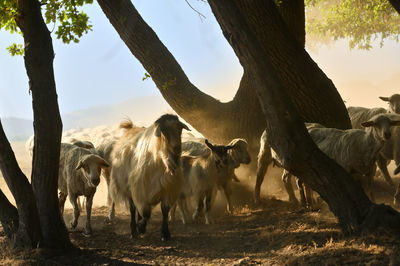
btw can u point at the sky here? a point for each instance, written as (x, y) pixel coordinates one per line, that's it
(101, 70)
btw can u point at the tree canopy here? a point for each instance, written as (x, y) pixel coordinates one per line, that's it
(71, 21)
(361, 22)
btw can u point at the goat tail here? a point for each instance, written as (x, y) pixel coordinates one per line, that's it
(126, 124)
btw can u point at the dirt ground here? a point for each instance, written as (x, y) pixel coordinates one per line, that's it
(274, 233)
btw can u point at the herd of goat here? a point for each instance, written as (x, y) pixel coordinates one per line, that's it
(147, 166)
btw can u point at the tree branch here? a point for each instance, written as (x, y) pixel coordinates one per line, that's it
(29, 233)
(8, 216)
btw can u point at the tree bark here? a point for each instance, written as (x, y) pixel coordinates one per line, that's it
(313, 93)
(38, 58)
(396, 5)
(292, 12)
(29, 232)
(8, 217)
(287, 134)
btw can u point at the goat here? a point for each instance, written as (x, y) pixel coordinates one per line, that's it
(105, 149)
(79, 174)
(354, 149)
(200, 178)
(239, 154)
(146, 170)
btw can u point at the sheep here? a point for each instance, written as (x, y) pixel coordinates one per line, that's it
(82, 143)
(359, 114)
(354, 149)
(146, 170)
(239, 154)
(200, 178)
(266, 156)
(79, 174)
(391, 151)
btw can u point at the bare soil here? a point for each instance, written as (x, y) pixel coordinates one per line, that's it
(274, 233)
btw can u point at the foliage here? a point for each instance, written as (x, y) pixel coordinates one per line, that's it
(72, 22)
(360, 21)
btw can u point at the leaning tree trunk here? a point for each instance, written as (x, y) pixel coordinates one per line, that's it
(38, 58)
(29, 233)
(287, 134)
(312, 92)
(293, 13)
(8, 216)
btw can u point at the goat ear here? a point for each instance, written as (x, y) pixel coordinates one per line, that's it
(209, 145)
(386, 99)
(157, 133)
(394, 123)
(104, 163)
(397, 170)
(230, 147)
(368, 123)
(184, 126)
(79, 166)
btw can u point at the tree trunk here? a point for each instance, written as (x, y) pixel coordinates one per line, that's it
(396, 5)
(38, 58)
(292, 12)
(29, 233)
(8, 217)
(287, 134)
(313, 93)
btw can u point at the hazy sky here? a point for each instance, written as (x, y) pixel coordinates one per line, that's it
(101, 70)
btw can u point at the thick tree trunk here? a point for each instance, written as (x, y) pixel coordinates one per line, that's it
(8, 217)
(29, 233)
(396, 5)
(39, 57)
(314, 94)
(287, 134)
(293, 13)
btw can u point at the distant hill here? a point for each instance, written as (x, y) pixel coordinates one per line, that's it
(17, 129)
(142, 111)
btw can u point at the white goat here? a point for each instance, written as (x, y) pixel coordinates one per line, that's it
(79, 174)
(200, 178)
(146, 170)
(354, 149)
(105, 150)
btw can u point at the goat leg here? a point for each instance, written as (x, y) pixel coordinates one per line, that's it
(73, 200)
(142, 220)
(132, 209)
(89, 203)
(165, 234)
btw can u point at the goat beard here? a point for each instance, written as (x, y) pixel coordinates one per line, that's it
(171, 164)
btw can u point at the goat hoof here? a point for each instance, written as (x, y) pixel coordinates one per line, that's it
(109, 221)
(134, 234)
(165, 237)
(141, 228)
(73, 225)
(87, 234)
